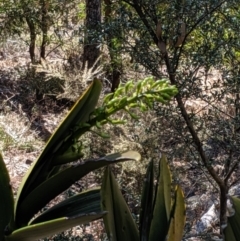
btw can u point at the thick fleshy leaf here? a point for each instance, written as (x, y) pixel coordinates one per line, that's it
(229, 234)
(167, 181)
(41, 230)
(177, 220)
(118, 222)
(162, 203)
(6, 198)
(79, 114)
(147, 203)
(233, 225)
(60, 142)
(63, 180)
(79, 204)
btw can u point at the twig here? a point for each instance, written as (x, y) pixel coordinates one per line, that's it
(231, 170)
(53, 50)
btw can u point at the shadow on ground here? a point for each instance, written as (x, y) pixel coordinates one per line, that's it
(19, 93)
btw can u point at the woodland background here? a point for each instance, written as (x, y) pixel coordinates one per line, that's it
(50, 50)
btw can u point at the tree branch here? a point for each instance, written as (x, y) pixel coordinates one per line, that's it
(231, 170)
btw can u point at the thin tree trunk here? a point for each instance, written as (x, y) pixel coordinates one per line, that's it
(33, 37)
(44, 27)
(92, 23)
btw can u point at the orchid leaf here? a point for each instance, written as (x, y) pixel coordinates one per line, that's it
(118, 222)
(63, 180)
(41, 230)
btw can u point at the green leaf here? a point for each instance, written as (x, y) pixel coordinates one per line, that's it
(166, 181)
(82, 203)
(60, 142)
(162, 204)
(229, 234)
(72, 154)
(233, 226)
(177, 221)
(41, 230)
(118, 222)
(147, 203)
(6, 199)
(58, 183)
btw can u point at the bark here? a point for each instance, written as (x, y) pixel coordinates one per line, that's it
(44, 27)
(33, 37)
(92, 24)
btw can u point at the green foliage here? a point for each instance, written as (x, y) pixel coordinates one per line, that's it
(82, 8)
(161, 217)
(232, 230)
(119, 223)
(6, 204)
(131, 96)
(56, 169)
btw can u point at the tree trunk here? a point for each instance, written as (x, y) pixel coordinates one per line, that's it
(33, 37)
(44, 27)
(115, 66)
(92, 24)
